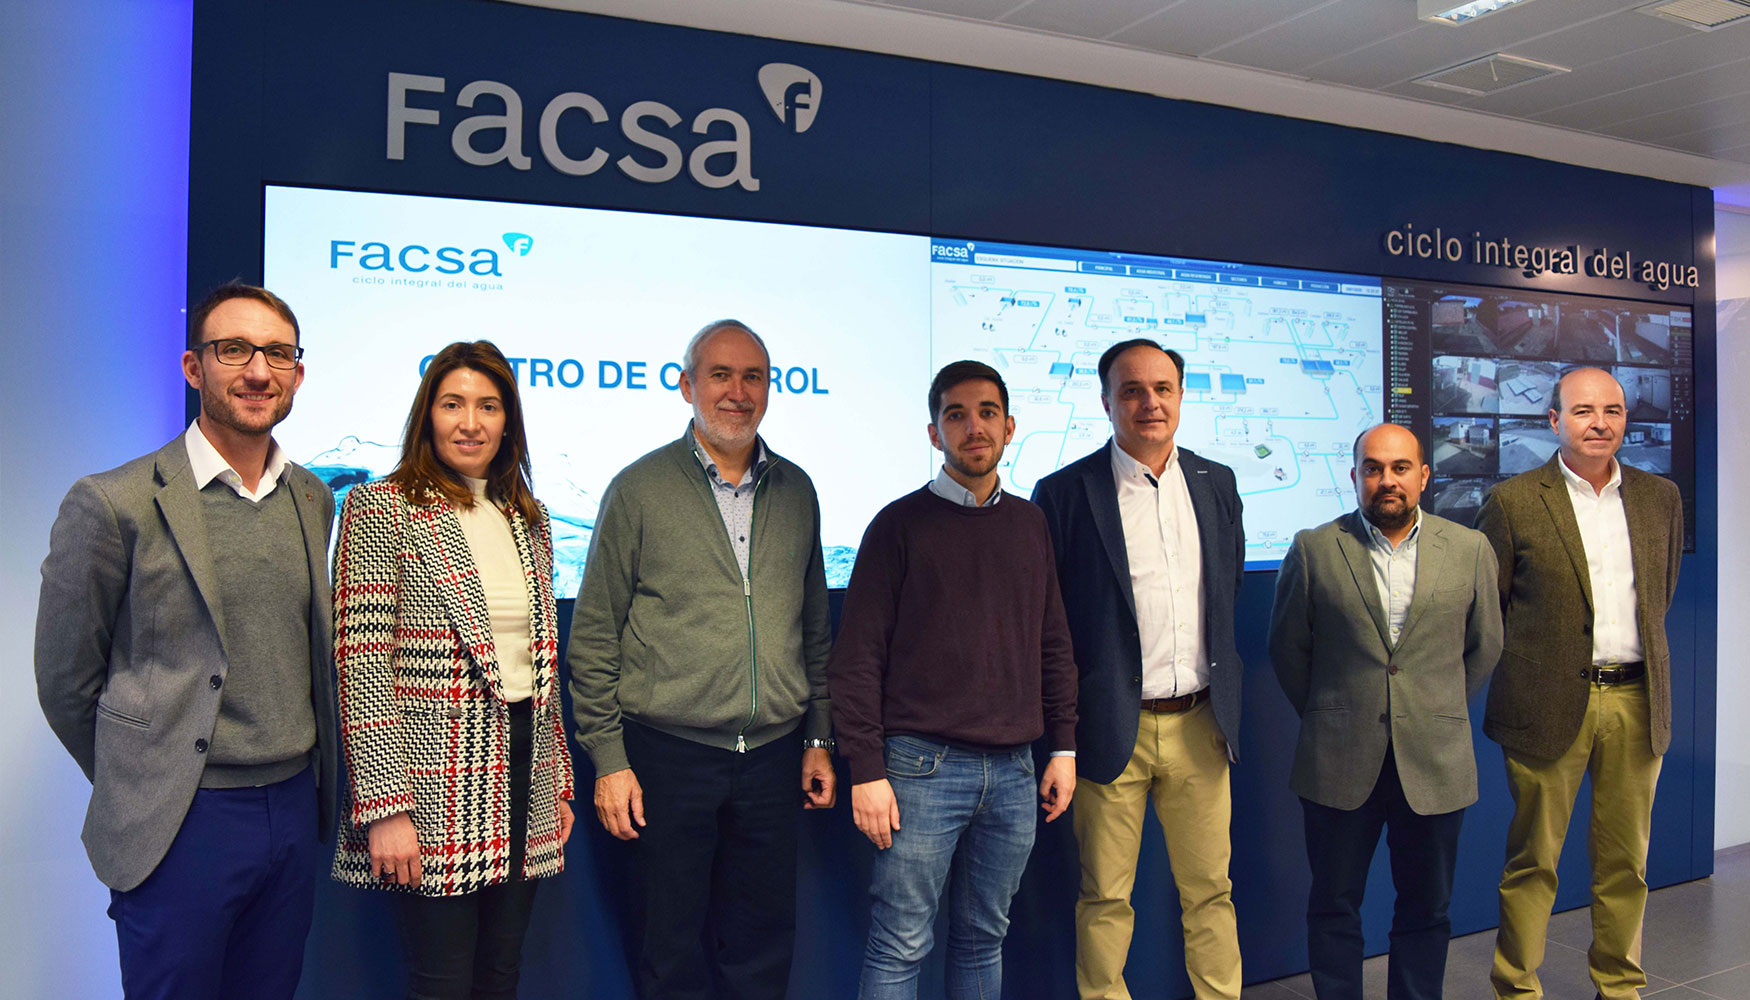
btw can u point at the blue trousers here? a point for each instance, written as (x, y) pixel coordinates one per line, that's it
(969, 814)
(225, 914)
(1424, 854)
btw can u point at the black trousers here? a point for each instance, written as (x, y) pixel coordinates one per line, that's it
(1424, 852)
(470, 947)
(718, 863)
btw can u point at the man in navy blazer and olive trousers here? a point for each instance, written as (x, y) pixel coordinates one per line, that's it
(183, 657)
(1150, 558)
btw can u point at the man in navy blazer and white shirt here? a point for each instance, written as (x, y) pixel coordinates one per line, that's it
(1150, 557)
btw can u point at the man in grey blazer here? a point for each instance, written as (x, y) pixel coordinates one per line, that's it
(1386, 623)
(1588, 550)
(183, 657)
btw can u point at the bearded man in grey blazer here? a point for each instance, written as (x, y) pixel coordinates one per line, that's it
(184, 658)
(1386, 624)
(1588, 551)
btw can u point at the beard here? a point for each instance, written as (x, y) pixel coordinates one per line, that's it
(722, 435)
(217, 406)
(974, 468)
(1400, 515)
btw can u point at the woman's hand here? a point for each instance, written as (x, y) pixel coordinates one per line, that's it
(395, 849)
(565, 821)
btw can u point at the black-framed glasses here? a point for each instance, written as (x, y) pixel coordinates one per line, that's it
(238, 353)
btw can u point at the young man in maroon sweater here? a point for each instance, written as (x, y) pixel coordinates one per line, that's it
(952, 658)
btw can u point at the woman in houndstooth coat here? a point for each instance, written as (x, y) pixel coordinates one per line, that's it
(446, 650)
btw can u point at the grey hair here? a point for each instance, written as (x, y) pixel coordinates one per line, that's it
(690, 357)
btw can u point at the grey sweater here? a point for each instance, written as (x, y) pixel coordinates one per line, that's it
(665, 634)
(267, 723)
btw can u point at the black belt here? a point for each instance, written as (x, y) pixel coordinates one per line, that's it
(1170, 706)
(1620, 673)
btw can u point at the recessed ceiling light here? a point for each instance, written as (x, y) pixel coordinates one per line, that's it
(1448, 12)
(1702, 15)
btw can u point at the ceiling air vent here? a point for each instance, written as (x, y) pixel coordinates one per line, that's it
(1702, 15)
(1490, 74)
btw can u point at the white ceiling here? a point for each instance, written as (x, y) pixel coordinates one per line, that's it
(1644, 95)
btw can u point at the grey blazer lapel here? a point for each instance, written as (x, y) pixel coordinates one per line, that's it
(1351, 541)
(1561, 512)
(316, 549)
(443, 549)
(1430, 564)
(180, 503)
(1108, 523)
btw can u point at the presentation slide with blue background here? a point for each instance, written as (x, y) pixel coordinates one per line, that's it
(594, 308)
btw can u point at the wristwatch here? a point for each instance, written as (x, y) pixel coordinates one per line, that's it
(817, 744)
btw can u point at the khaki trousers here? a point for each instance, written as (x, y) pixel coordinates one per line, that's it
(1181, 760)
(1615, 748)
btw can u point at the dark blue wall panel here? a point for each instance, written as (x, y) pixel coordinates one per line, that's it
(295, 93)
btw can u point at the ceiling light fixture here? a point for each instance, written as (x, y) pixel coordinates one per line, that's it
(1490, 74)
(1447, 12)
(1702, 15)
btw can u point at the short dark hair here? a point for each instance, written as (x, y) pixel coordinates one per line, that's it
(957, 372)
(1421, 452)
(1111, 357)
(197, 317)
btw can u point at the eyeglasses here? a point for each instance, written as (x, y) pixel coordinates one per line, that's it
(238, 353)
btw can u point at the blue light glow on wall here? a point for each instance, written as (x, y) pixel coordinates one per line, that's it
(93, 225)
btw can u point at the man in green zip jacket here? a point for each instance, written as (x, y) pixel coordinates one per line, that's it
(698, 677)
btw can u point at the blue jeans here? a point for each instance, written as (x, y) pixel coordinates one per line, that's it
(972, 814)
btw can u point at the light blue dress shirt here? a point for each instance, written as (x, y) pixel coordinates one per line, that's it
(734, 500)
(1394, 572)
(945, 487)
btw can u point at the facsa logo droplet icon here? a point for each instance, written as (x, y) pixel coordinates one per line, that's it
(793, 92)
(519, 243)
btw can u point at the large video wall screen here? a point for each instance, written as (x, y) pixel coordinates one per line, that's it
(1283, 367)
(594, 308)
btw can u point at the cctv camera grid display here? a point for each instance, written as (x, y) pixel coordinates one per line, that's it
(1473, 370)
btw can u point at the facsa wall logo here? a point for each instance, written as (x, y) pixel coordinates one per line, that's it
(415, 258)
(791, 88)
(655, 155)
